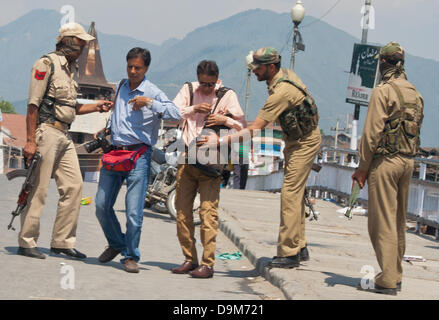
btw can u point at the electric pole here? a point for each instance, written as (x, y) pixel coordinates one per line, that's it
(365, 27)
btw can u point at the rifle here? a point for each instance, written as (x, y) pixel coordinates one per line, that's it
(425, 153)
(314, 216)
(27, 186)
(352, 199)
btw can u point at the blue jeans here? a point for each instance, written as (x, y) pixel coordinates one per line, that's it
(110, 183)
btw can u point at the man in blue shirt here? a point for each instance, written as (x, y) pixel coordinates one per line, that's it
(135, 122)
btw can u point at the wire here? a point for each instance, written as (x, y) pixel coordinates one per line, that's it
(324, 15)
(243, 84)
(287, 42)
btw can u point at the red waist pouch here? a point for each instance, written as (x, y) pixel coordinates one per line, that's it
(122, 160)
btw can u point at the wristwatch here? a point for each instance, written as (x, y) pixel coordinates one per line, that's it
(149, 104)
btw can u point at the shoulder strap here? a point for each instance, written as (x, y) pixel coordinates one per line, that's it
(122, 82)
(286, 79)
(183, 124)
(400, 97)
(52, 70)
(220, 94)
(191, 92)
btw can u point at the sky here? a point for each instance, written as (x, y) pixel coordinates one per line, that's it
(409, 22)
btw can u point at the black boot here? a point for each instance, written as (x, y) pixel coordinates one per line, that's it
(31, 252)
(285, 262)
(69, 252)
(304, 254)
(379, 289)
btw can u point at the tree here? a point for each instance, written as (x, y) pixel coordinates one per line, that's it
(6, 106)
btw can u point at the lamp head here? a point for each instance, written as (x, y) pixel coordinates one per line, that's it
(298, 13)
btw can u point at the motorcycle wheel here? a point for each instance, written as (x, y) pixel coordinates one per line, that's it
(160, 207)
(170, 204)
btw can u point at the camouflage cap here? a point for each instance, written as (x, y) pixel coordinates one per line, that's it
(265, 55)
(392, 50)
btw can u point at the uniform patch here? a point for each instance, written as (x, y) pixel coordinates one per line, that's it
(40, 75)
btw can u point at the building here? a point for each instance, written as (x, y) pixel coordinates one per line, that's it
(12, 141)
(90, 76)
(93, 85)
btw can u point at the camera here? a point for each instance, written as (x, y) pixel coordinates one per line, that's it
(100, 142)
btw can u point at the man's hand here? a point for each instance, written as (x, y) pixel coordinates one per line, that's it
(29, 151)
(208, 142)
(140, 102)
(360, 176)
(203, 108)
(104, 106)
(216, 120)
(95, 136)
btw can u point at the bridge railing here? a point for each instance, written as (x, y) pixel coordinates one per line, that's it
(334, 182)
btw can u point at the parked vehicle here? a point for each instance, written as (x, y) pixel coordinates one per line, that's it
(163, 180)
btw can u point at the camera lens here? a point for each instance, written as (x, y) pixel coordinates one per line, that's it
(92, 145)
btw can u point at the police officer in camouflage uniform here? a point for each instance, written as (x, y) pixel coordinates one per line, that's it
(290, 104)
(51, 109)
(390, 140)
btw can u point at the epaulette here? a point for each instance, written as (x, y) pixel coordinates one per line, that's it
(46, 61)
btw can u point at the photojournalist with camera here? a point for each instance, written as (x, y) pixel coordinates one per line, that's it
(138, 108)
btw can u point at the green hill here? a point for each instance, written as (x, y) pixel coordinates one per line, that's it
(322, 66)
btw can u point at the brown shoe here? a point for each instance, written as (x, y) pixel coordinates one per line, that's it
(131, 266)
(202, 271)
(109, 254)
(184, 268)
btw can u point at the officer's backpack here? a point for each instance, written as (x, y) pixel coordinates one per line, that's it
(402, 133)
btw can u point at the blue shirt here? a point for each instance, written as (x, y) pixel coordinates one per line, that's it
(133, 127)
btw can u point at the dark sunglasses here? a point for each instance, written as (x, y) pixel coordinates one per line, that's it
(207, 84)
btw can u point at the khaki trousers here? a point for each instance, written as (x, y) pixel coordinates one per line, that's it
(59, 160)
(388, 187)
(189, 180)
(299, 157)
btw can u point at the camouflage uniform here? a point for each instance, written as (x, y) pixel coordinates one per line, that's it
(285, 102)
(389, 141)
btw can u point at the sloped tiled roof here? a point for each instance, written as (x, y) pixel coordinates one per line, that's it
(15, 126)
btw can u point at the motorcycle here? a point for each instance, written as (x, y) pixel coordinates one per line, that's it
(163, 180)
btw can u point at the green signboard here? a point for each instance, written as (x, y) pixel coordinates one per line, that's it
(364, 74)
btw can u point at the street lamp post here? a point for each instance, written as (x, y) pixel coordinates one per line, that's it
(297, 15)
(248, 60)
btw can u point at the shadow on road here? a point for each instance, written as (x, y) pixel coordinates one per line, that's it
(337, 279)
(161, 265)
(89, 260)
(231, 273)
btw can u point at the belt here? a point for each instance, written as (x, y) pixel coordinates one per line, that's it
(58, 125)
(130, 147)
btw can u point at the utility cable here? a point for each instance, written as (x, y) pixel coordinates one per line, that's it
(324, 15)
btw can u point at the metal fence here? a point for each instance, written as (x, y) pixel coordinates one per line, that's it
(334, 182)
